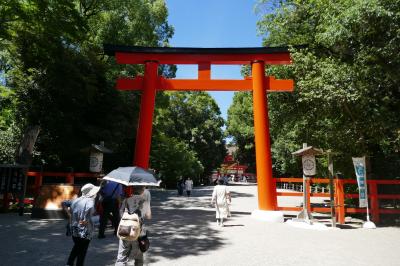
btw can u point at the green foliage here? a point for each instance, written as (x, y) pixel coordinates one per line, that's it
(9, 132)
(53, 64)
(56, 76)
(8, 141)
(194, 118)
(346, 94)
(240, 127)
(7, 103)
(173, 159)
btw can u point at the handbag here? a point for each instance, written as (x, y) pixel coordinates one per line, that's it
(81, 231)
(144, 243)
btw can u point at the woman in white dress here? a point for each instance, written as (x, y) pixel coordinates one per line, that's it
(221, 197)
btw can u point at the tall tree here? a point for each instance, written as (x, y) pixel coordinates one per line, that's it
(347, 92)
(194, 118)
(53, 62)
(346, 96)
(240, 127)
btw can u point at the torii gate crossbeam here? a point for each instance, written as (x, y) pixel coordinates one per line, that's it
(259, 84)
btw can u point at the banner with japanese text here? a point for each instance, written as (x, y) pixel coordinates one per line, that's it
(360, 169)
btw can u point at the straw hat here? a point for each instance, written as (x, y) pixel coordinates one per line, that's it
(89, 190)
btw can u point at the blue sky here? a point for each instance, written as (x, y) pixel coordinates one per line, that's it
(214, 23)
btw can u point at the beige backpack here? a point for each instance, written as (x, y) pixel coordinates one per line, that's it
(129, 227)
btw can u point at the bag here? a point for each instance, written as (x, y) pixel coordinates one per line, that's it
(129, 227)
(144, 243)
(81, 231)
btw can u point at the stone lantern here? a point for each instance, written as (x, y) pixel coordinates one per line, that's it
(96, 157)
(307, 154)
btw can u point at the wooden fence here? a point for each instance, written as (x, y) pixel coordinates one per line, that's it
(36, 179)
(339, 191)
(339, 188)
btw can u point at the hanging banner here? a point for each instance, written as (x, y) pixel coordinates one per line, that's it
(309, 166)
(359, 167)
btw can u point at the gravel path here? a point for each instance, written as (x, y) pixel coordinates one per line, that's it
(183, 232)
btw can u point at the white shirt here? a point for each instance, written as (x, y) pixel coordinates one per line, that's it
(188, 184)
(220, 194)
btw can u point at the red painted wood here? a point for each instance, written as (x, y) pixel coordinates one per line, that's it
(143, 136)
(265, 183)
(271, 84)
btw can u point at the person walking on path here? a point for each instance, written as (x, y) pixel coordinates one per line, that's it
(111, 193)
(138, 201)
(221, 197)
(82, 210)
(180, 185)
(188, 186)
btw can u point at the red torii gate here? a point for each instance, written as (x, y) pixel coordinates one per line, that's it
(151, 57)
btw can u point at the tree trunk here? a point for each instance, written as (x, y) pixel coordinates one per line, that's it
(24, 157)
(25, 149)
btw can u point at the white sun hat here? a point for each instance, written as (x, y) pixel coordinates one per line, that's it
(89, 190)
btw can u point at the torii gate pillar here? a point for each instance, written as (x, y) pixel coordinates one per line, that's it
(265, 185)
(145, 125)
(266, 190)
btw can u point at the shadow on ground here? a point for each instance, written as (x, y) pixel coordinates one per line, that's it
(184, 226)
(181, 226)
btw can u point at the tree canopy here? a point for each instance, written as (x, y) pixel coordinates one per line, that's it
(195, 119)
(345, 67)
(54, 64)
(54, 74)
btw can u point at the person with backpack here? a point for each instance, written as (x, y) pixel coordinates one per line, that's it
(111, 193)
(82, 210)
(136, 205)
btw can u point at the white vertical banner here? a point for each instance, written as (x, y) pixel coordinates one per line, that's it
(360, 169)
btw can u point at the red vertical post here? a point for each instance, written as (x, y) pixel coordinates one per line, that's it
(38, 181)
(308, 187)
(70, 178)
(143, 135)
(266, 192)
(339, 191)
(373, 196)
(204, 72)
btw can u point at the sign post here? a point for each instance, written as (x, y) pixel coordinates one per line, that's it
(360, 169)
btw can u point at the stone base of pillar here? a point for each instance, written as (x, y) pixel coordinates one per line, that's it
(268, 216)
